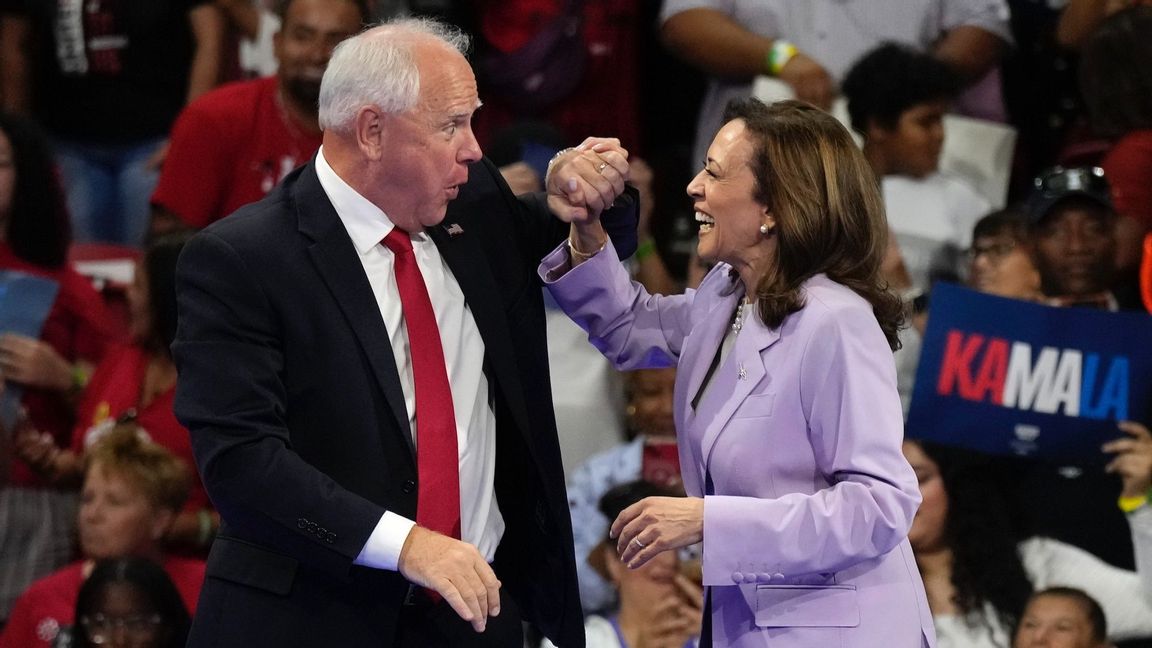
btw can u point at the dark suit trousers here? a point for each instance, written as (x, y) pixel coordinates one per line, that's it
(424, 624)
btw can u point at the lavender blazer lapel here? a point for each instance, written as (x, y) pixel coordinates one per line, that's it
(736, 377)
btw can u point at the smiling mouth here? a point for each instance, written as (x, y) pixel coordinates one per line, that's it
(706, 222)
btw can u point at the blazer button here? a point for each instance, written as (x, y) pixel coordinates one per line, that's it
(737, 577)
(763, 577)
(330, 537)
(301, 523)
(750, 577)
(778, 577)
(408, 486)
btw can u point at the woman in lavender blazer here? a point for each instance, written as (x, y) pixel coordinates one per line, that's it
(787, 414)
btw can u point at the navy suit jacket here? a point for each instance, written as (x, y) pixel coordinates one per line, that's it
(289, 388)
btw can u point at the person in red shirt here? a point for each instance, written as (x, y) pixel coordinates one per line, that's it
(133, 490)
(231, 146)
(35, 234)
(137, 382)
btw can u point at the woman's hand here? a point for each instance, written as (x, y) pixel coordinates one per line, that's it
(656, 524)
(1133, 460)
(34, 363)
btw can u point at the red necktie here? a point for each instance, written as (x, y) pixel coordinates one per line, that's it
(437, 460)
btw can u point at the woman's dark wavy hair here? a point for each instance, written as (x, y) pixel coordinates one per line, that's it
(1115, 78)
(986, 562)
(160, 264)
(38, 228)
(827, 206)
(147, 578)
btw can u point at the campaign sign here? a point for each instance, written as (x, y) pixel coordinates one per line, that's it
(1012, 377)
(24, 304)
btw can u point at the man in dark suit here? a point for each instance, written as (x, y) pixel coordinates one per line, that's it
(376, 313)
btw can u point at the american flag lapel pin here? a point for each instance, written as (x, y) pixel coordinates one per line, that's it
(453, 229)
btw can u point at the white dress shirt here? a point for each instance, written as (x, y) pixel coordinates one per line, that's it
(480, 521)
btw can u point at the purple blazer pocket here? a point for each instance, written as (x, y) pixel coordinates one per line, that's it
(756, 406)
(807, 606)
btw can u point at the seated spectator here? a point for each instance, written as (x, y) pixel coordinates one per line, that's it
(661, 603)
(1117, 85)
(897, 98)
(651, 455)
(1074, 239)
(1000, 259)
(978, 576)
(137, 382)
(1062, 616)
(231, 146)
(133, 490)
(34, 239)
(130, 601)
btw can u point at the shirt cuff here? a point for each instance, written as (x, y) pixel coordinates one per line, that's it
(382, 551)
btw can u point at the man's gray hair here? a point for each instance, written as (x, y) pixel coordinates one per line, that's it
(376, 67)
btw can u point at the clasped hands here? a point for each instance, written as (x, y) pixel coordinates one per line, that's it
(585, 180)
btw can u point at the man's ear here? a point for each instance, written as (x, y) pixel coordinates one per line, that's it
(370, 129)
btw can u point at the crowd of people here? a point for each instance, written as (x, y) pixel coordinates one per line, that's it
(243, 444)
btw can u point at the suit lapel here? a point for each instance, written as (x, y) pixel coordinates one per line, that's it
(339, 266)
(732, 382)
(463, 252)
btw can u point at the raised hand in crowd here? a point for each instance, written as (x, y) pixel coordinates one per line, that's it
(1133, 459)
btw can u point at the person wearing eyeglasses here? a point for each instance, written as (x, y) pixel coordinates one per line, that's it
(1072, 220)
(133, 490)
(1000, 259)
(130, 602)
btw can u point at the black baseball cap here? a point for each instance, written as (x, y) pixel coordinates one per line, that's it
(1058, 184)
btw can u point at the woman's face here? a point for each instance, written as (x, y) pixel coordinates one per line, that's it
(139, 308)
(650, 406)
(1052, 621)
(123, 618)
(116, 518)
(927, 533)
(722, 194)
(7, 176)
(999, 265)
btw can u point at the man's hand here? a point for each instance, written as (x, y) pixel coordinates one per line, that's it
(809, 80)
(656, 524)
(1133, 460)
(584, 181)
(455, 570)
(33, 362)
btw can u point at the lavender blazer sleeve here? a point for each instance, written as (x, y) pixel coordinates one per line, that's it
(798, 433)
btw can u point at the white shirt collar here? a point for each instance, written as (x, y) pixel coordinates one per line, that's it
(366, 223)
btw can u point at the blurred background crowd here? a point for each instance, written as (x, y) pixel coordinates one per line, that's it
(1012, 140)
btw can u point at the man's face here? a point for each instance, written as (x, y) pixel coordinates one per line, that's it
(429, 148)
(311, 29)
(913, 145)
(1075, 250)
